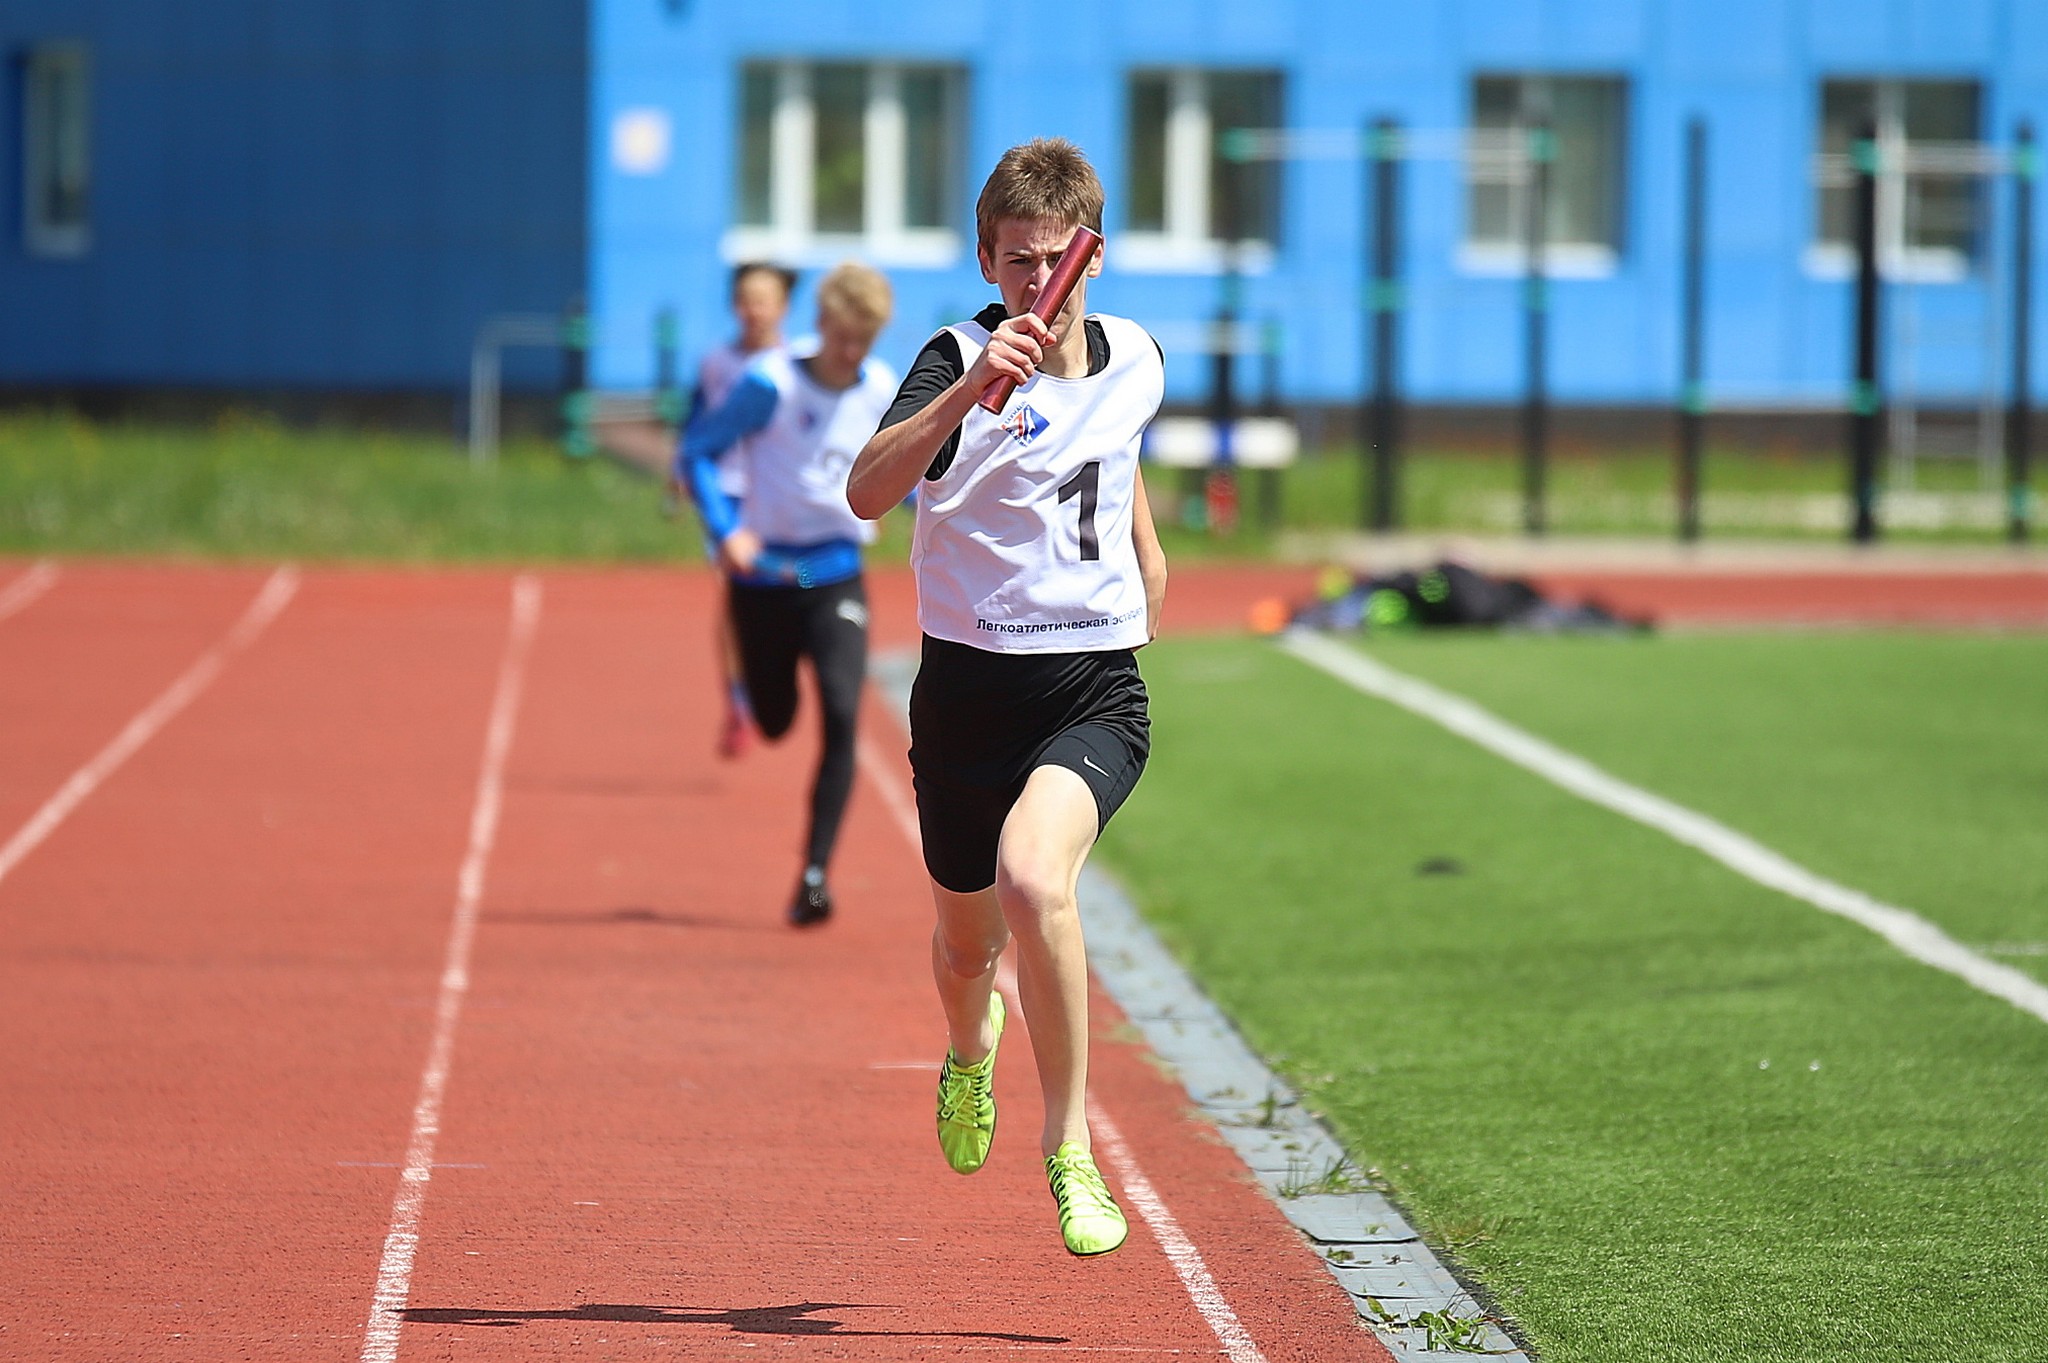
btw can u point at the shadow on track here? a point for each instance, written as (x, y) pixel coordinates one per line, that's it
(796, 1320)
(635, 913)
(624, 787)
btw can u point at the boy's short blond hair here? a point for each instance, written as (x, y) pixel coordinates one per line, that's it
(1047, 178)
(856, 293)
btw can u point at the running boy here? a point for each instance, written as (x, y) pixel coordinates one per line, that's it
(793, 556)
(760, 302)
(1038, 572)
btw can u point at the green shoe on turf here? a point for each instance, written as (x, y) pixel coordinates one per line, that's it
(1090, 1220)
(967, 1100)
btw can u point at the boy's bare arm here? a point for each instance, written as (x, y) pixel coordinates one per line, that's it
(1151, 558)
(895, 457)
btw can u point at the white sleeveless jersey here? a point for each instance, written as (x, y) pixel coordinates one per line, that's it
(797, 464)
(1023, 545)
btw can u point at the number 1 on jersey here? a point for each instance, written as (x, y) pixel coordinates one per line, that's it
(1084, 485)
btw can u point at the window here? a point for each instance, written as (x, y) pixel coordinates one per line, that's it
(1929, 197)
(1583, 209)
(836, 156)
(1188, 205)
(56, 125)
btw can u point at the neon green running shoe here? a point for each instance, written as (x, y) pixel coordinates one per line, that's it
(967, 1100)
(1090, 1220)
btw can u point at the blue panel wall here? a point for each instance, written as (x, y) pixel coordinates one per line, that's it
(1751, 68)
(333, 193)
(313, 194)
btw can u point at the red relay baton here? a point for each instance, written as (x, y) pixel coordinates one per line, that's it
(1059, 286)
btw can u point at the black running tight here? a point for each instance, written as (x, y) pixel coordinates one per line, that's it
(776, 626)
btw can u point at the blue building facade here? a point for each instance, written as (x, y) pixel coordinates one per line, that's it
(327, 194)
(285, 194)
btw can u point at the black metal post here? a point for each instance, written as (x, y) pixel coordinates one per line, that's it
(1269, 406)
(2018, 441)
(1269, 367)
(1383, 308)
(668, 396)
(1220, 486)
(1535, 307)
(577, 402)
(1692, 400)
(1865, 398)
(1223, 363)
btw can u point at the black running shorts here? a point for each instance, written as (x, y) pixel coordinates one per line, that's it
(982, 722)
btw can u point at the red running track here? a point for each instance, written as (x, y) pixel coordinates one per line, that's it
(671, 1126)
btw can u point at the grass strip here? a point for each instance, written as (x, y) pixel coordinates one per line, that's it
(247, 487)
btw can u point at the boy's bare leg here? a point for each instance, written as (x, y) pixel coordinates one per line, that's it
(733, 735)
(969, 938)
(1045, 840)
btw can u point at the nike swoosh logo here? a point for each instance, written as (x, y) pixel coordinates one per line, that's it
(1091, 762)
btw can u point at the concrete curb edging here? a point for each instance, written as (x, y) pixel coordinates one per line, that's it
(1376, 1256)
(1372, 1251)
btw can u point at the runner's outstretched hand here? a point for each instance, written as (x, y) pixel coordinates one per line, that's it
(739, 551)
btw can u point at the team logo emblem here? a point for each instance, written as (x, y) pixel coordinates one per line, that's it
(1024, 424)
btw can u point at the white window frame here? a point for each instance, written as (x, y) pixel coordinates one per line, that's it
(790, 235)
(1896, 158)
(1185, 246)
(1503, 154)
(49, 240)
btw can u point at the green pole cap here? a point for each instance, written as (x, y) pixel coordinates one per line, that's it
(1863, 399)
(1692, 398)
(576, 331)
(1542, 144)
(1238, 144)
(1385, 295)
(1863, 155)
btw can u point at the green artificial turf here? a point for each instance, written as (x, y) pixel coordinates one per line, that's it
(1911, 766)
(1658, 1111)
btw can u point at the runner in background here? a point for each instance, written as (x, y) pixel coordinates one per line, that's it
(760, 303)
(792, 555)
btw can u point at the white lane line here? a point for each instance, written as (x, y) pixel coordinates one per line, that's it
(401, 1243)
(1179, 1249)
(276, 594)
(901, 805)
(1907, 931)
(19, 594)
